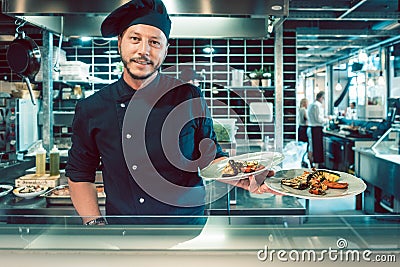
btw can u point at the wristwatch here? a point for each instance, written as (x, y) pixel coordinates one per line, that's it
(97, 221)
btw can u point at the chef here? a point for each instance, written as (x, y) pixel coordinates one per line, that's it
(149, 133)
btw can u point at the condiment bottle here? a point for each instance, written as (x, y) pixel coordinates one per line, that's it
(54, 161)
(41, 161)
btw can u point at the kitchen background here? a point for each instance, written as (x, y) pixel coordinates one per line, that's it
(214, 59)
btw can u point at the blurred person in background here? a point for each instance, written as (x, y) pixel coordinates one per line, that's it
(303, 125)
(316, 122)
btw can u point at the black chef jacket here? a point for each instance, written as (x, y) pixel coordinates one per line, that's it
(97, 140)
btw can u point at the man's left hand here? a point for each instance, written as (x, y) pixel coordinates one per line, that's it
(255, 183)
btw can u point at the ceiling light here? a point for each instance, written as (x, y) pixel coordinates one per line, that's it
(276, 7)
(85, 39)
(381, 79)
(338, 86)
(208, 50)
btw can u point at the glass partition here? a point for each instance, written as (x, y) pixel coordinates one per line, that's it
(219, 233)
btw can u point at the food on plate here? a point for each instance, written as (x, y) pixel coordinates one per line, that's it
(299, 182)
(31, 189)
(317, 181)
(324, 174)
(63, 191)
(336, 185)
(233, 168)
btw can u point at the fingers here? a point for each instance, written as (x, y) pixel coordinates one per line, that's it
(253, 185)
(270, 173)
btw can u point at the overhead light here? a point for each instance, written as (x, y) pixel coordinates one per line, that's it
(338, 86)
(208, 50)
(111, 52)
(86, 39)
(276, 7)
(381, 79)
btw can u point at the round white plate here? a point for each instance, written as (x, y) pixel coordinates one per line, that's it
(356, 185)
(29, 195)
(7, 188)
(268, 159)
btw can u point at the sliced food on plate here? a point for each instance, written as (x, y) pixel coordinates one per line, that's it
(316, 181)
(233, 168)
(241, 166)
(29, 191)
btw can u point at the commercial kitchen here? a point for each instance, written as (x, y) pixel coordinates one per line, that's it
(254, 61)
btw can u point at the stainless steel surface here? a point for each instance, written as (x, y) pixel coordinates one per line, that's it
(279, 88)
(217, 18)
(378, 172)
(327, 30)
(47, 91)
(179, 7)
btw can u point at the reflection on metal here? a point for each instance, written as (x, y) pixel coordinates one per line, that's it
(47, 92)
(242, 15)
(279, 138)
(217, 27)
(314, 32)
(345, 14)
(179, 7)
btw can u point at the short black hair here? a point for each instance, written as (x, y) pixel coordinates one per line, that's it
(320, 94)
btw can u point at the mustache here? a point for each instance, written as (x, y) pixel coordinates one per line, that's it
(142, 58)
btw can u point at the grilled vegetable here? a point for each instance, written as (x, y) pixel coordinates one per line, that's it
(233, 168)
(317, 181)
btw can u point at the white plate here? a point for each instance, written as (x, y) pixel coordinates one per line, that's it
(29, 195)
(8, 189)
(356, 185)
(268, 159)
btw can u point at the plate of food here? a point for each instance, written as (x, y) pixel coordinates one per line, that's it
(5, 189)
(30, 191)
(238, 167)
(60, 195)
(315, 184)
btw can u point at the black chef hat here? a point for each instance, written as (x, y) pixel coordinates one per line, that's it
(149, 12)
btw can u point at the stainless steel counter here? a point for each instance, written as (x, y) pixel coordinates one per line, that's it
(39, 211)
(382, 176)
(353, 138)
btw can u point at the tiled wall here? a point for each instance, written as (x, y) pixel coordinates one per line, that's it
(216, 68)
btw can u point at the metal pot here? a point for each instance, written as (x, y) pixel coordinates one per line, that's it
(23, 57)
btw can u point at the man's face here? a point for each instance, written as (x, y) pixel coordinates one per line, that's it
(143, 49)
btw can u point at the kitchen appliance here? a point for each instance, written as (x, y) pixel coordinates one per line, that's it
(393, 115)
(380, 168)
(18, 126)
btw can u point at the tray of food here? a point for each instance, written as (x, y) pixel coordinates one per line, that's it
(315, 184)
(60, 195)
(239, 167)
